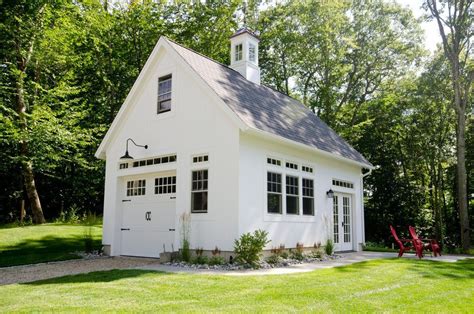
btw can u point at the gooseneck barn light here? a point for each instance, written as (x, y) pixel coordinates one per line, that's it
(127, 155)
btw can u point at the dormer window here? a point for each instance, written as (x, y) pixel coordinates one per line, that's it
(238, 52)
(252, 55)
(164, 94)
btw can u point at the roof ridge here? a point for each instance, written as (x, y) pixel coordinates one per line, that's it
(228, 67)
(244, 107)
(202, 55)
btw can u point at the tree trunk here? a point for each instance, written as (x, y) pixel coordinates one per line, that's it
(27, 166)
(462, 181)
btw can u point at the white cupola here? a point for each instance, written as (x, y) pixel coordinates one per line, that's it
(244, 54)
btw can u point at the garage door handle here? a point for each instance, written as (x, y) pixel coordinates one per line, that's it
(125, 229)
(172, 197)
(171, 229)
(126, 200)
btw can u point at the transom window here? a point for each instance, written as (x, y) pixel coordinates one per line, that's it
(164, 94)
(123, 165)
(165, 185)
(292, 195)
(272, 161)
(200, 158)
(308, 197)
(136, 187)
(238, 52)
(291, 165)
(199, 191)
(274, 193)
(344, 184)
(153, 161)
(252, 54)
(307, 169)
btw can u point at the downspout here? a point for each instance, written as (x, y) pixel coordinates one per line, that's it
(363, 175)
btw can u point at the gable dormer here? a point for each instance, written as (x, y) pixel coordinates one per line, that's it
(244, 54)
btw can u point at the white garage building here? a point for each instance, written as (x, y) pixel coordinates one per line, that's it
(236, 155)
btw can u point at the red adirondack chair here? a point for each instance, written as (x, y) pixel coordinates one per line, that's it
(431, 245)
(403, 248)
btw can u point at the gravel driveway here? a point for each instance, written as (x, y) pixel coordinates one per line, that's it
(28, 273)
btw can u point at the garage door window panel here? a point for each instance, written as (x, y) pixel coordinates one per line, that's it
(165, 185)
(136, 188)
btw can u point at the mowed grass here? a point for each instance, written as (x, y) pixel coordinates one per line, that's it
(394, 285)
(44, 243)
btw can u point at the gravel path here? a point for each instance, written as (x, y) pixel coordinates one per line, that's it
(28, 273)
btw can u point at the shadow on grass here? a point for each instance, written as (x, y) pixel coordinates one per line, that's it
(46, 249)
(462, 269)
(99, 276)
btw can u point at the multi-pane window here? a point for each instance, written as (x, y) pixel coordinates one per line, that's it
(200, 158)
(252, 52)
(199, 191)
(154, 161)
(307, 169)
(274, 193)
(123, 165)
(136, 187)
(238, 52)
(344, 184)
(291, 165)
(165, 185)
(273, 161)
(164, 94)
(292, 195)
(308, 197)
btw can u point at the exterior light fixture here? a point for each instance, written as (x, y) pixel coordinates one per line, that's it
(127, 155)
(330, 193)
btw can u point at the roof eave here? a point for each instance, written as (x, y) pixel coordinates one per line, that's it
(293, 143)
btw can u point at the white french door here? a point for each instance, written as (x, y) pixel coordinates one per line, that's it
(342, 222)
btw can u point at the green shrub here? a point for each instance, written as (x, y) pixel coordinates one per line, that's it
(297, 254)
(185, 220)
(273, 259)
(200, 259)
(329, 248)
(316, 253)
(284, 254)
(249, 247)
(185, 252)
(216, 260)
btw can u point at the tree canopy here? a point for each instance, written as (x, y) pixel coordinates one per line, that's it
(67, 66)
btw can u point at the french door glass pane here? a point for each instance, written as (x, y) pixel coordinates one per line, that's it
(346, 212)
(336, 218)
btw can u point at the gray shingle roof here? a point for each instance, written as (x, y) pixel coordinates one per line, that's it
(265, 109)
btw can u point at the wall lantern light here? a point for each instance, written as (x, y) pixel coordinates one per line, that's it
(330, 193)
(127, 155)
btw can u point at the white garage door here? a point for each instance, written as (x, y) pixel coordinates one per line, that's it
(148, 216)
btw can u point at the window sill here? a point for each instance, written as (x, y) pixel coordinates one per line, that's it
(163, 111)
(289, 218)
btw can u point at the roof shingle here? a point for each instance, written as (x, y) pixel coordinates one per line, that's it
(265, 109)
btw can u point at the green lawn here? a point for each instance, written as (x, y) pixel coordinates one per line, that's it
(48, 242)
(376, 286)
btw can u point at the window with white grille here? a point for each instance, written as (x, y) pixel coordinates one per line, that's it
(165, 185)
(136, 187)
